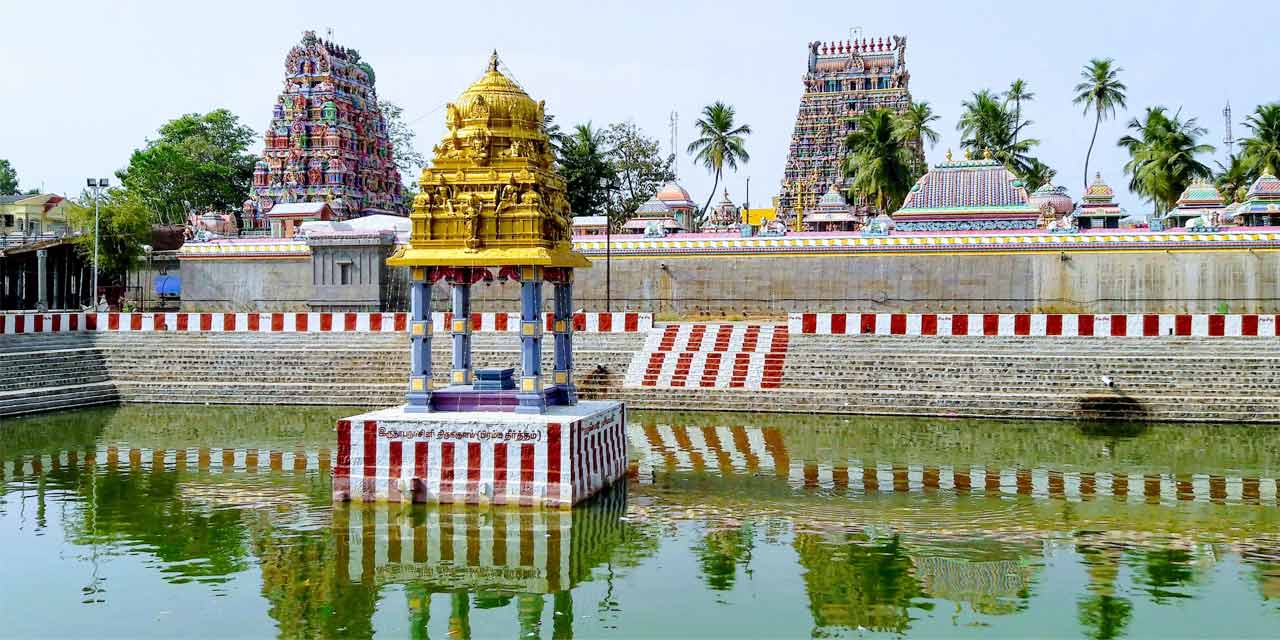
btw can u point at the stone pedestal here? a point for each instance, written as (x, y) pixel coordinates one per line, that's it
(554, 459)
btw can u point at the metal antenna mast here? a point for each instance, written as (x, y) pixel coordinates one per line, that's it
(675, 127)
(1229, 139)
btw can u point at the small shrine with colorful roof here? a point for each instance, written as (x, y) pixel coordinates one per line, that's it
(326, 141)
(670, 210)
(1261, 206)
(1199, 201)
(833, 213)
(724, 217)
(967, 195)
(1098, 208)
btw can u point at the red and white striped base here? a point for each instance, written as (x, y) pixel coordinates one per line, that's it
(1034, 324)
(711, 356)
(298, 322)
(555, 459)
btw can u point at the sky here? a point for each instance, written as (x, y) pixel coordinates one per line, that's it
(83, 84)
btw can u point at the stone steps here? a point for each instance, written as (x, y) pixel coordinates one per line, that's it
(57, 398)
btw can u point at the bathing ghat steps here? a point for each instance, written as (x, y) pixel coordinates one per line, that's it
(1165, 378)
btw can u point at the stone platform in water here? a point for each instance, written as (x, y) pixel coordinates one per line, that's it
(556, 459)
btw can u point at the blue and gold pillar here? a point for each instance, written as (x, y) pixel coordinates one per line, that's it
(530, 398)
(460, 328)
(563, 326)
(419, 396)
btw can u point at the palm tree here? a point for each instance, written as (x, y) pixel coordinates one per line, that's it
(588, 176)
(881, 163)
(914, 124)
(1018, 93)
(555, 137)
(1102, 91)
(1262, 149)
(1162, 156)
(1037, 175)
(1234, 178)
(719, 144)
(987, 125)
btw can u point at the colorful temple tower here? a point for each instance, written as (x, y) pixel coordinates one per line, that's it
(1199, 201)
(967, 195)
(326, 141)
(843, 80)
(1261, 207)
(1098, 208)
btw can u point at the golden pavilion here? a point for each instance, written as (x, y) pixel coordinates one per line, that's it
(491, 200)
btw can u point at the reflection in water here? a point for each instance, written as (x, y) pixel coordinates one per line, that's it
(780, 526)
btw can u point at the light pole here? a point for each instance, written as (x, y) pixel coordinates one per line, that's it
(97, 185)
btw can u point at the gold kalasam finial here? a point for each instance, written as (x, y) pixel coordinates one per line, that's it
(968, 154)
(948, 155)
(493, 60)
(986, 153)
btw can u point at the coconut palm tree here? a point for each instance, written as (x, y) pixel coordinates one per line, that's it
(914, 124)
(987, 125)
(719, 144)
(1234, 178)
(1162, 156)
(1101, 91)
(588, 176)
(1262, 149)
(1018, 93)
(881, 163)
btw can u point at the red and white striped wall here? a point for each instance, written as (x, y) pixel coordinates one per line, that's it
(24, 323)
(556, 460)
(1034, 324)
(711, 356)
(753, 452)
(205, 459)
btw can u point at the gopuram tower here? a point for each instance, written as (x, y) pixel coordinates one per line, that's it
(326, 141)
(843, 80)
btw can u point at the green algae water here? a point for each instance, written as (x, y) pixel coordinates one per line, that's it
(148, 520)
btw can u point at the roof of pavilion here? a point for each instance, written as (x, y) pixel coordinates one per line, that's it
(956, 188)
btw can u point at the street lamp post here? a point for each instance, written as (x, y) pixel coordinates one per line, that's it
(97, 185)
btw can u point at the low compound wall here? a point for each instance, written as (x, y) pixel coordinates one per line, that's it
(1034, 324)
(24, 323)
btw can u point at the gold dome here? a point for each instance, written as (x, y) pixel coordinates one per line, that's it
(495, 102)
(491, 196)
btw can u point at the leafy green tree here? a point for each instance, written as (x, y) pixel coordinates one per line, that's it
(1037, 175)
(916, 125)
(1262, 147)
(199, 163)
(407, 157)
(1163, 154)
(638, 165)
(125, 221)
(1101, 91)
(986, 124)
(588, 176)
(1233, 179)
(720, 143)
(8, 179)
(1017, 93)
(881, 163)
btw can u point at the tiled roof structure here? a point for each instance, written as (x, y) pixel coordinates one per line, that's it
(675, 196)
(1199, 198)
(1263, 196)
(967, 195)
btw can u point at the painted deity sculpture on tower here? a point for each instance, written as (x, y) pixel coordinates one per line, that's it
(326, 141)
(491, 200)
